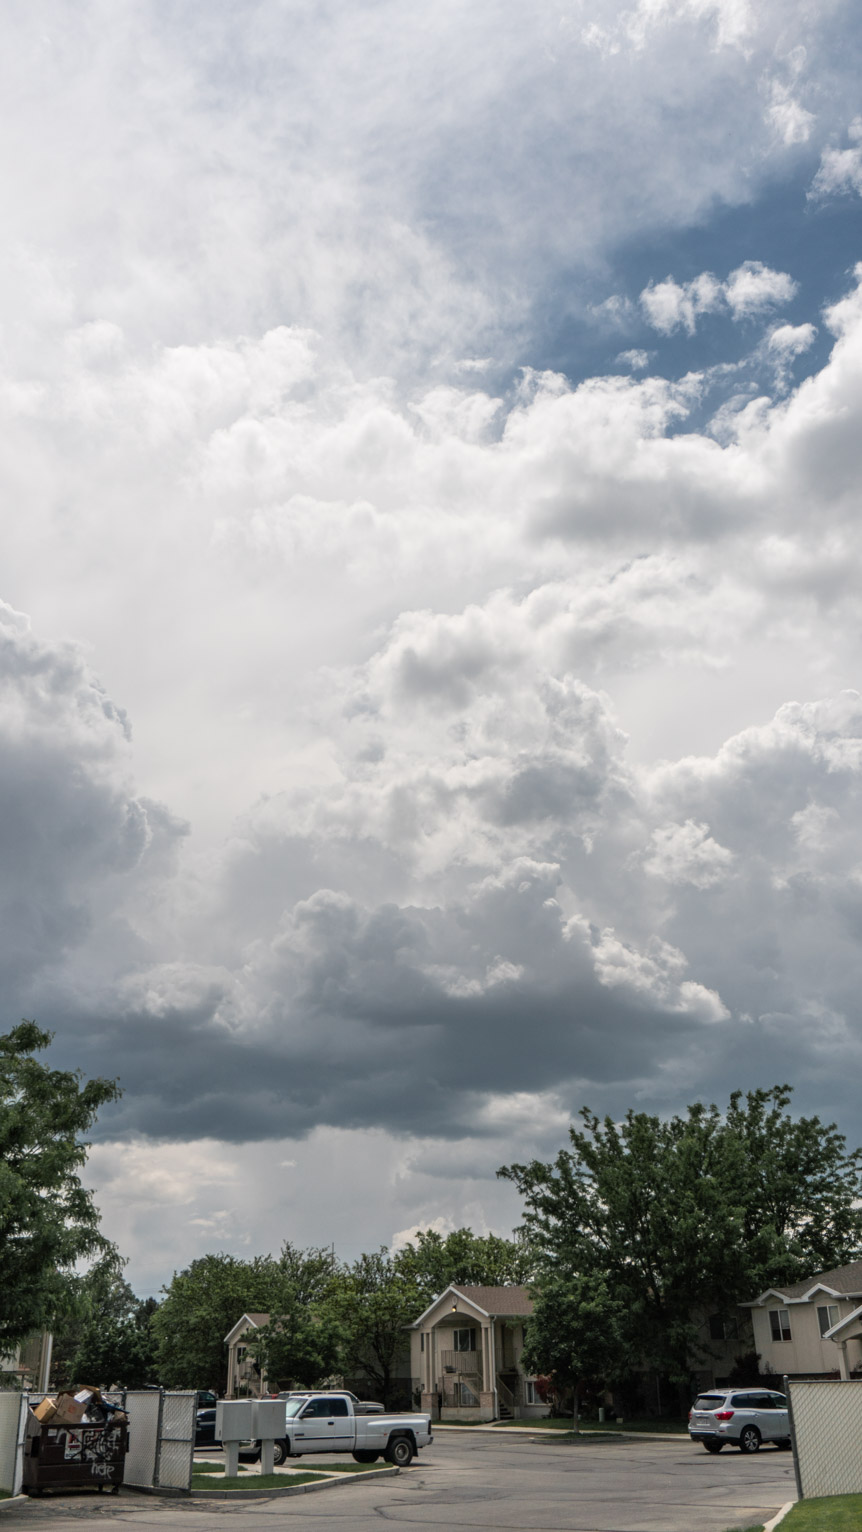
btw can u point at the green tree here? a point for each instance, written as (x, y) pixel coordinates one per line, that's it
(48, 1221)
(105, 1334)
(695, 1213)
(578, 1333)
(200, 1306)
(375, 1302)
(301, 1345)
(432, 1261)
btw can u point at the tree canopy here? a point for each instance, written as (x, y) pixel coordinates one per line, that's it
(653, 1220)
(431, 1261)
(200, 1306)
(302, 1342)
(48, 1220)
(105, 1335)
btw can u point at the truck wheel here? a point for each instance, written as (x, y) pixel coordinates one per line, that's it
(280, 1450)
(366, 1457)
(400, 1452)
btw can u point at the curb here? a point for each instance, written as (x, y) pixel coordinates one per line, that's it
(292, 1489)
(770, 1526)
(14, 1500)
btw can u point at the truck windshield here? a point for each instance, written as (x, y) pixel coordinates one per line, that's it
(293, 1407)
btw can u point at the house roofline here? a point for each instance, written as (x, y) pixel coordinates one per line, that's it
(806, 1297)
(250, 1325)
(439, 1299)
(849, 1319)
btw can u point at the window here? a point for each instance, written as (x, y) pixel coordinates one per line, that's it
(531, 1395)
(779, 1320)
(422, 1340)
(324, 1409)
(716, 1327)
(827, 1316)
(464, 1340)
(240, 1353)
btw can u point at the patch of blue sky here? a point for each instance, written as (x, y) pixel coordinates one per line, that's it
(580, 333)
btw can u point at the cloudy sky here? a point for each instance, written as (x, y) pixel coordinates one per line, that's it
(431, 564)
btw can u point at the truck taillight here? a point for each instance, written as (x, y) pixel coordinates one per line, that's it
(724, 1414)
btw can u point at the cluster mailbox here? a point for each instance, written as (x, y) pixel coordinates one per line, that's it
(249, 1420)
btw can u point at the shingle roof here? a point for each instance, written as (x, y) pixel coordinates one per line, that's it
(498, 1300)
(842, 1279)
(258, 1319)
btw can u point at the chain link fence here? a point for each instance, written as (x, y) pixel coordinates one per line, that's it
(826, 1425)
(176, 1441)
(161, 1437)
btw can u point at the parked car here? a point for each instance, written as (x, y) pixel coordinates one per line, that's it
(743, 1417)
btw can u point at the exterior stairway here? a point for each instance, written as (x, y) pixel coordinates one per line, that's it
(505, 1400)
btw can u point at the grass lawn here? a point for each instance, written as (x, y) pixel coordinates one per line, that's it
(201, 1477)
(835, 1513)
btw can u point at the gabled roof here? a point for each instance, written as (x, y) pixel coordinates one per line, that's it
(840, 1282)
(852, 1323)
(246, 1322)
(489, 1302)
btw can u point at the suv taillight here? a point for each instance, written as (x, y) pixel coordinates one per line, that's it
(724, 1414)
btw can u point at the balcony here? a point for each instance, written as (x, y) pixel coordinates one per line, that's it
(469, 1363)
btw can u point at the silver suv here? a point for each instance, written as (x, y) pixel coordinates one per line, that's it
(745, 1417)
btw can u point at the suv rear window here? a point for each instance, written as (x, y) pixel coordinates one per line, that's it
(708, 1401)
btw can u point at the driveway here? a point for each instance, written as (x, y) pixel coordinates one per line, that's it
(479, 1480)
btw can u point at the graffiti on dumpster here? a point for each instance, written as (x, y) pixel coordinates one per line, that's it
(98, 1448)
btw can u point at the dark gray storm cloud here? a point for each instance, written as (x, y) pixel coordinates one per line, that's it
(557, 920)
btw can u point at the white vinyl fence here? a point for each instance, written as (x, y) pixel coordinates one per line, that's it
(161, 1438)
(826, 1424)
(13, 1415)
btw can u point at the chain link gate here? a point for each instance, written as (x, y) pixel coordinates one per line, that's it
(826, 1428)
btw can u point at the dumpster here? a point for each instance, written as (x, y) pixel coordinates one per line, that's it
(60, 1457)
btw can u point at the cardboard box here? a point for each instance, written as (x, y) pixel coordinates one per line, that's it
(65, 1409)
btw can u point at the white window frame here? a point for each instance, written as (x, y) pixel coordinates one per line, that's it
(829, 1309)
(779, 1319)
(471, 1348)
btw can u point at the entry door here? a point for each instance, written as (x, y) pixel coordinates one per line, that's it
(324, 1426)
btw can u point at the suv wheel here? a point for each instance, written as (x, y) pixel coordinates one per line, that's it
(749, 1439)
(713, 1446)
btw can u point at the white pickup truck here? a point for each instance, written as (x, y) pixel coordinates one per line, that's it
(328, 1423)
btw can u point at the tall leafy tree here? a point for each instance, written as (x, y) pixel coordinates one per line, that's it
(375, 1303)
(200, 1306)
(301, 1345)
(105, 1334)
(432, 1261)
(48, 1220)
(692, 1213)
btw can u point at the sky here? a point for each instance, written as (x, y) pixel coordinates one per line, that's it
(430, 560)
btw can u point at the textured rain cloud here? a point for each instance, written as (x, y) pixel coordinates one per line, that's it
(496, 724)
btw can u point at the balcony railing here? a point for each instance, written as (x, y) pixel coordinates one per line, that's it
(467, 1362)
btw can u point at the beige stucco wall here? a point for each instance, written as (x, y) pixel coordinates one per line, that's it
(438, 1329)
(806, 1351)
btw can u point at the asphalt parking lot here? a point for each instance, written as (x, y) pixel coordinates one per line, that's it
(481, 1480)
